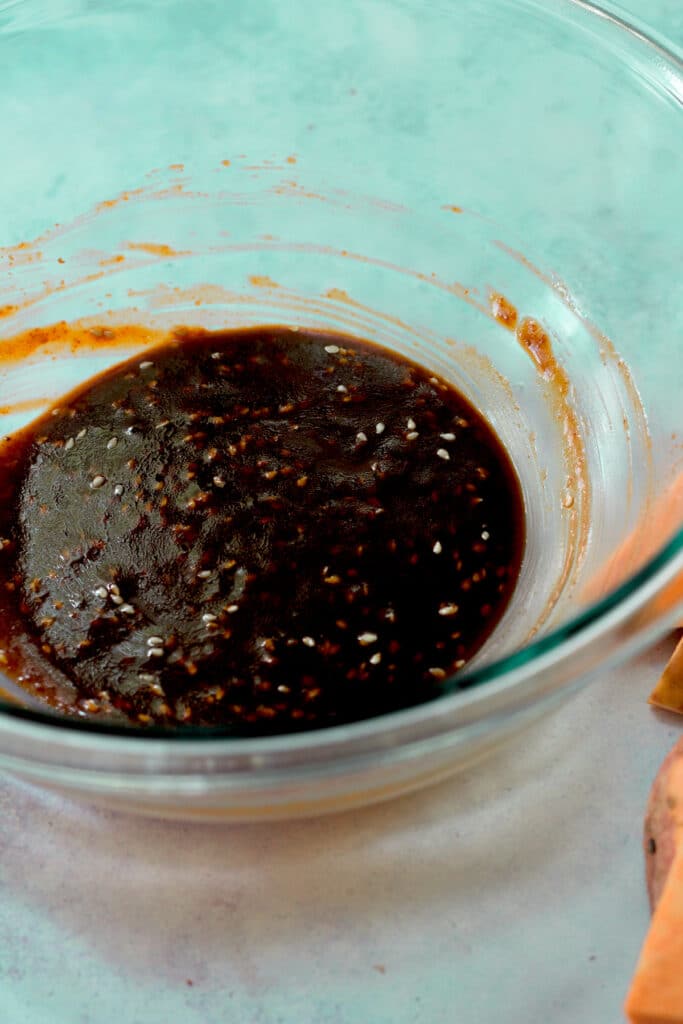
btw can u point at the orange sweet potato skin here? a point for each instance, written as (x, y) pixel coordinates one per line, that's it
(659, 830)
(656, 992)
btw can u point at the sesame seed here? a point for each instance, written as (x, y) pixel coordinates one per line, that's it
(443, 454)
(332, 349)
(97, 481)
(209, 617)
(116, 599)
(101, 592)
(118, 490)
(361, 438)
(376, 658)
(308, 641)
(127, 609)
(437, 549)
(448, 609)
(438, 673)
(367, 638)
(204, 574)
(145, 677)
(112, 443)
(302, 481)
(342, 389)
(412, 435)
(485, 535)
(155, 641)
(156, 652)
(379, 428)
(390, 615)
(216, 355)
(219, 481)
(81, 434)
(447, 437)
(146, 364)
(232, 608)
(460, 662)
(69, 445)
(113, 589)
(411, 424)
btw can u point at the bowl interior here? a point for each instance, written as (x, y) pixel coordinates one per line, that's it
(396, 172)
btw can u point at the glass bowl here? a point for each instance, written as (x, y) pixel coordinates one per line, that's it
(490, 187)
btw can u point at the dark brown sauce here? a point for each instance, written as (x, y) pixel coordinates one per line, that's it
(263, 530)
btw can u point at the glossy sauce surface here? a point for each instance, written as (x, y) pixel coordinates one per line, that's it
(263, 530)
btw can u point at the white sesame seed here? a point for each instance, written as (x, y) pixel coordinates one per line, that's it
(204, 574)
(411, 424)
(438, 673)
(155, 641)
(390, 615)
(145, 677)
(367, 638)
(127, 609)
(69, 444)
(161, 424)
(485, 535)
(308, 641)
(412, 435)
(448, 609)
(118, 490)
(361, 438)
(156, 652)
(215, 355)
(113, 589)
(101, 592)
(342, 389)
(460, 662)
(437, 549)
(232, 608)
(209, 617)
(219, 481)
(332, 349)
(146, 364)
(443, 454)
(447, 437)
(376, 658)
(116, 599)
(97, 481)
(112, 443)
(379, 428)
(81, 434)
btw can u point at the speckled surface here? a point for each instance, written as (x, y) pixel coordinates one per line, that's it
(512, 893)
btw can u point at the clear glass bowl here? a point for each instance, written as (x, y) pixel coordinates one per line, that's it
(393, 169)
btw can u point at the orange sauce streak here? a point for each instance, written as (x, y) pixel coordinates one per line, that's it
(75, 337)
(263, 281)
(154, 249)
